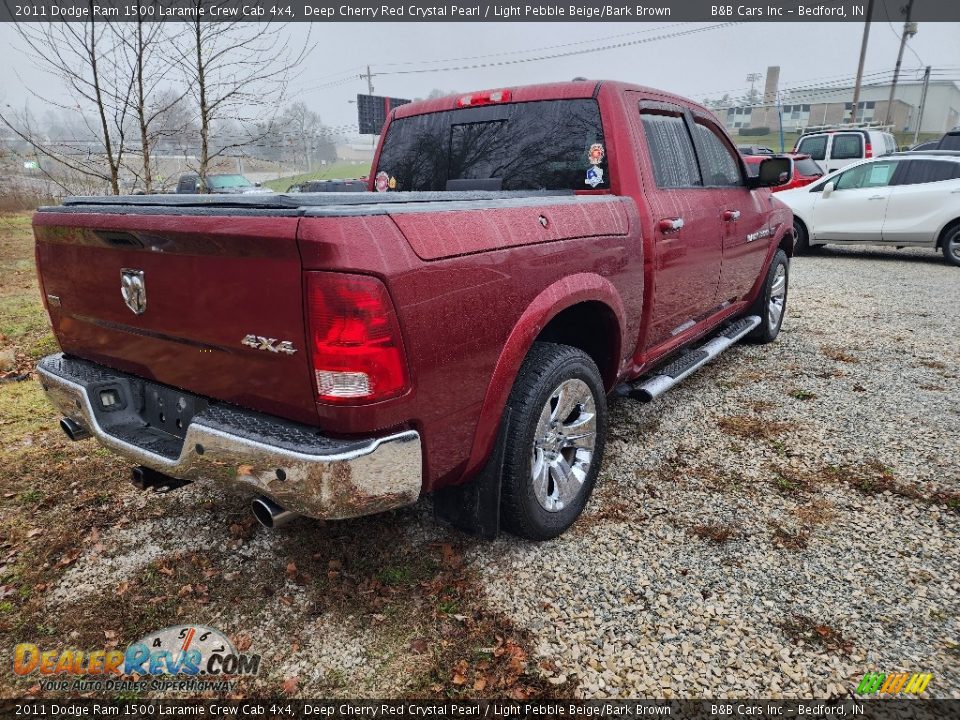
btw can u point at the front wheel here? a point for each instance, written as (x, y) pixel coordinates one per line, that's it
(555, 446)
(951, 245)
(771, 303)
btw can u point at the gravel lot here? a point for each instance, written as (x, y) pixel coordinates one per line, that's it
(766, 528)
(778, 525)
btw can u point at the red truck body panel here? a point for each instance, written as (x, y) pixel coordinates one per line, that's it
(473, 285)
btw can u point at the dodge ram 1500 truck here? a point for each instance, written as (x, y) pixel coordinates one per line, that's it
(522, 254)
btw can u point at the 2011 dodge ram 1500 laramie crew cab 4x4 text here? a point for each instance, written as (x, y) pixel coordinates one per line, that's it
(522, 254)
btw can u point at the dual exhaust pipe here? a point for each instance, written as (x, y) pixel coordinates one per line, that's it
(265, 510)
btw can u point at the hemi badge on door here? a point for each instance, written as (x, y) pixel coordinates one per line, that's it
(258, 342)
(758, 234)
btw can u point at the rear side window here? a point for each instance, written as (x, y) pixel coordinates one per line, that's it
(815, 147)
(671, 151)
(807, 167)
(918, 172)
(544, 145)
(720, 169)
(847, 147)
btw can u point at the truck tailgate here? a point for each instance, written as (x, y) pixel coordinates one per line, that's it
(209, 279)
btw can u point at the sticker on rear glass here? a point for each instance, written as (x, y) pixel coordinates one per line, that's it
(393, 183)
(594, 176)
(382, 181)
(596, 154)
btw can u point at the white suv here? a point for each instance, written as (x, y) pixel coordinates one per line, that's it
(835, 149)
(909, 199)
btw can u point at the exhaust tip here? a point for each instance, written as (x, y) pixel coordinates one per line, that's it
(73, 430)
(269, 514)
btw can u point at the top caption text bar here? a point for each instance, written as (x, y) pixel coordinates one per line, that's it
(462, 11)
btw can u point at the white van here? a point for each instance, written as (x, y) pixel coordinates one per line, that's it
(835, 149)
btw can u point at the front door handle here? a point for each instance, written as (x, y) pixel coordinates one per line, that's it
(876, 197)
(670, 224)
(731, 215)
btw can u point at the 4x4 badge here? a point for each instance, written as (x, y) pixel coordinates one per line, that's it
(258, 342)
(133, 289)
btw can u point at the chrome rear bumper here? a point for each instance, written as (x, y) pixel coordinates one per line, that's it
(292, 464)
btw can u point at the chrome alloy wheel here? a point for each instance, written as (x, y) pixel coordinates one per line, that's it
(778, 296)
(563, 445)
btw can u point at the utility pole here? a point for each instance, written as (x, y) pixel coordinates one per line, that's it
(909, 30)
(863, 56)
(752, 78)
(923, 102)
(369, 78)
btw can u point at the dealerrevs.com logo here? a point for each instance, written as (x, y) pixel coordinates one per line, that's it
(900, 683)
(183, 657)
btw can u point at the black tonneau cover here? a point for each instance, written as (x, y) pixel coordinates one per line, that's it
(316, 204)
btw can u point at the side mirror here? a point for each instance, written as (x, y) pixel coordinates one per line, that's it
(827, 190)
(772, 172)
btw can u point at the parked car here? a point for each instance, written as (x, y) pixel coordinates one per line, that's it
(908, 199)
(218, 184)
(950, 140)
(803, 170)
(754, 150)
(929, 145)
(329, 186)
(835, 149)
(340, 355)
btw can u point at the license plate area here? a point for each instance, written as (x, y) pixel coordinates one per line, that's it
(170, 410)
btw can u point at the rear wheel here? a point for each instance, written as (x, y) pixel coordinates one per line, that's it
(771, 303)
(951, 245)
(556, 441)
(802, 244)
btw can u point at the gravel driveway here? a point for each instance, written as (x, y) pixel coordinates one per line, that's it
(783, 521)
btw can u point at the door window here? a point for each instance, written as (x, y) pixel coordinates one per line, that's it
(815, 147)
(917, 172)
(870, 175)
(671, 151)
(720, 169)
(847, 147)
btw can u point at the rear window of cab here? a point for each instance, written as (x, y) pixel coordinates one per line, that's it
(541, 145)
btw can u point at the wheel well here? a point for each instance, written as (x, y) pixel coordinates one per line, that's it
(946, 228)
(593, 328)
(789, 241)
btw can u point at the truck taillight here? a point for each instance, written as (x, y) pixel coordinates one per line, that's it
(354, 340)
(490, 97)
(868, 153)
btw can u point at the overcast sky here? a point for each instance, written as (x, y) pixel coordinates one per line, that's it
(704, 64)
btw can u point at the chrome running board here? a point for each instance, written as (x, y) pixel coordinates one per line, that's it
(670, 374)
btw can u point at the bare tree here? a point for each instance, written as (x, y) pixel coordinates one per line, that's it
(82, 56)
(235, 70)
(142, 48)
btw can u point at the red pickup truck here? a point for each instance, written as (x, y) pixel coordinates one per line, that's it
(522, 255)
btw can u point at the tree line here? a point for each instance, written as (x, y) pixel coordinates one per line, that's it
(124, 92)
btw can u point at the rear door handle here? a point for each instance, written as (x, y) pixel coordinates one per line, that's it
(670, 224)
(731, 215)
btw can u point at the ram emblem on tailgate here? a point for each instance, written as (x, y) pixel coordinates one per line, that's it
(133, 289)
(258, 342)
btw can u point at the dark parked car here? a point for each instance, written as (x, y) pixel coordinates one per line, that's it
(220, 184)
(754, 150)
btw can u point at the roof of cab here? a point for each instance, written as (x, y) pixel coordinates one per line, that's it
(547, 91)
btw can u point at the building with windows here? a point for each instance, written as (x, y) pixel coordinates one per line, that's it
(833, 106)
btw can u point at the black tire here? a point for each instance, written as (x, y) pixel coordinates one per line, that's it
(802, 244)
(769, 326)
(950, 244)
(545, 369)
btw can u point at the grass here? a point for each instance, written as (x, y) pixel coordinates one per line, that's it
(341, 170)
